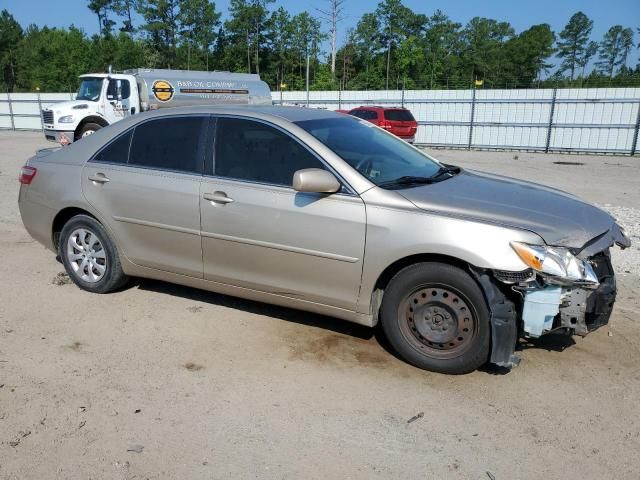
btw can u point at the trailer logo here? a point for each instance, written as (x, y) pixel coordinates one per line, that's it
(162, 90)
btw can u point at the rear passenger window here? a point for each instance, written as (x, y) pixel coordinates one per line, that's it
(117, 151)
(399, 115)
(253, 151)
(169, 144)
(366, 114)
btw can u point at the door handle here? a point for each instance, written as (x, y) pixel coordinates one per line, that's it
(217, 197)
(99, 178)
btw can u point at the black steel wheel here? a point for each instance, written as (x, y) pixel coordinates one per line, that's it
(436, 318)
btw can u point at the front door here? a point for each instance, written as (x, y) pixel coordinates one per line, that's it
(259, 233)
(146, 187)
(118, 95)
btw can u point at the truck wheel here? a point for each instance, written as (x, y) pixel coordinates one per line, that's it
(89, 256)
(436, 318)
(88, 129)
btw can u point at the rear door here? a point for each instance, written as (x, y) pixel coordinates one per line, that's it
(145, 185)
(259, 233)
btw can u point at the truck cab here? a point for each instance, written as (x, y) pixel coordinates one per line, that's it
(105, 98)
(101, 100)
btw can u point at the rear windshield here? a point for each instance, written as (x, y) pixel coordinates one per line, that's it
(399, 115)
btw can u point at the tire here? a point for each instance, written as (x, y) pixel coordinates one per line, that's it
(436, 318)
(88, 129)
(89, 256)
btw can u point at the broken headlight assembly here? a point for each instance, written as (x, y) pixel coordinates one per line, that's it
(557, 265)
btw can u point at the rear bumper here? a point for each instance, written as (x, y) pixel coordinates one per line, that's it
(36, 218)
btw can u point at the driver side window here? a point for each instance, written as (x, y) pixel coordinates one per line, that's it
(252, 151)
(112, 89)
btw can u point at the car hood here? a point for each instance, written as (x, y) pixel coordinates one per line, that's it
(61, 107)
(560, 218)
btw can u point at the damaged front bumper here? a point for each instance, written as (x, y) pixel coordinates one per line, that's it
(572, 309)
(532, 304)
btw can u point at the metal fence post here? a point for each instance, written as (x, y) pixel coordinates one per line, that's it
(550, 125)
(473, 112)
(635, 133)
(402, 100)
(40, 111)
(13, 123)
(340, 99)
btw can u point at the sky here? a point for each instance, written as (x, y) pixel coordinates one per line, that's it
(521, 14)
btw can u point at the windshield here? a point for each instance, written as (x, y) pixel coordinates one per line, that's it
(377, 155)
(90, 89)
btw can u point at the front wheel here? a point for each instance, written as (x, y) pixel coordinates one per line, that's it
(89, 256)
(436, 318)
(88, 129)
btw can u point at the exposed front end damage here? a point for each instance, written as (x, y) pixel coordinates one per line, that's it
(532, 303)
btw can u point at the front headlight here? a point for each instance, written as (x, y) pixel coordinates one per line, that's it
(66, 119)
(557, 262)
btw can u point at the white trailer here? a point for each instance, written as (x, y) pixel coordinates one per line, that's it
(105, 98)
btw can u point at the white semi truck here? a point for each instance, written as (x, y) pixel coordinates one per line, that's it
(105, 98)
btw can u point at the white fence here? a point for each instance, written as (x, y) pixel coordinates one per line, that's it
(604, 120)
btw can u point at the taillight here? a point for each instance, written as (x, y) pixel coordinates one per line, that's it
(386, 125)
(27, 174)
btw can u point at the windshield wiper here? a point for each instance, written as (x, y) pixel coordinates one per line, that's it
(407, 180)
(445, 170)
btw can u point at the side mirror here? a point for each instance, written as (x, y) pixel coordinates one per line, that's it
(119, 89)
(315, 180)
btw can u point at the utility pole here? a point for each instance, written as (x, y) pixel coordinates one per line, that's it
(307, 79)
(332, 16)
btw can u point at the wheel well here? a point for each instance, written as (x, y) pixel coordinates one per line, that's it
(95, 119)
(62, 218)
(389, 272)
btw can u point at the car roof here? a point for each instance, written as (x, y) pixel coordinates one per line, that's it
(292, 114)
(378, 107)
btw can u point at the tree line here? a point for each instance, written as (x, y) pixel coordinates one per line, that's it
(390, 47)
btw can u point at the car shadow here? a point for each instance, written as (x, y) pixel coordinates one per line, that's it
(552, 342)
(259, 308)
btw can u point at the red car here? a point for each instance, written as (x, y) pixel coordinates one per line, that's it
(396, 120)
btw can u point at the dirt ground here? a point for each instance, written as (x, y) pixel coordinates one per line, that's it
(160, 381)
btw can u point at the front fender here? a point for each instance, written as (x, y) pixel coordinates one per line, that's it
(402, 231)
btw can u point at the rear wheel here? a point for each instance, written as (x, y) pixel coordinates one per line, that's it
(89, 256)
(436, 318)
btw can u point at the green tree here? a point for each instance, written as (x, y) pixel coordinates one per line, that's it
(574, 42)
(125, 9)
(397, 22)
(197, 22)
(279, 33)
(614, 49)
(527, 54)
(10, 37)
(52, 59)
(101, 8)
(161, 27)
(484, 54)
(441, 45)
(368, 43)
(246, 29)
